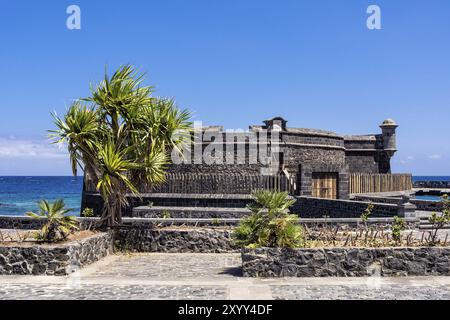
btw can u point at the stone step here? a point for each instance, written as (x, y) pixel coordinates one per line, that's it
(189, 212)
(428, 227)
(194, 200)
(425, 224)
(206, 222)
(95, 201)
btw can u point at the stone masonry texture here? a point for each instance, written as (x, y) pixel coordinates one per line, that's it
(174, 240)
(56, 260)
(346, 262)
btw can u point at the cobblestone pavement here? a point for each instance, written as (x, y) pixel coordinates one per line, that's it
(207, 276)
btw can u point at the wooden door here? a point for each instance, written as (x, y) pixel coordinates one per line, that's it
(325, 185)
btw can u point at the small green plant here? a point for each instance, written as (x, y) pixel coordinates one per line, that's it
(216, 221)
(150, 204)
(398, 226)
(367, 213)
(270, 224)
(88, 213)
(166, 214)
(58, 226)
(438, 221)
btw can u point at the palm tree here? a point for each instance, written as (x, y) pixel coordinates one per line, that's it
(58, 225)
(270, 224)
(122, 137)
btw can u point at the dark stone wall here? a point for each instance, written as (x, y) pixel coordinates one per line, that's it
(58, 260)
(365, 154)
(313, 139)
(238, 151)
(368, 162)
(362, 162)
(432, 184)
(368, 142)
(307, 207)
(346, 262)
(295, 157)
(190, 212)
(174, 240)
(431, 206)
(28, 223)
(22, 223)
(233, 169)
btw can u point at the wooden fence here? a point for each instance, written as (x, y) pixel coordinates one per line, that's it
(222, 184)
(371, 183)
(190, 183)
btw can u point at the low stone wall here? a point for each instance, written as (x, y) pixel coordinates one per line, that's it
(421, 205)
(28, 223)
(20, 222)
(23, 223)
(58, 260)
(174, 240)
(432, 184)
(346, 262)
(427, 205)
(357, 223)
(307, 207)
(377, 199)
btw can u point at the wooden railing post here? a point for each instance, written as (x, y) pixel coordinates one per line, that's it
(370, 183)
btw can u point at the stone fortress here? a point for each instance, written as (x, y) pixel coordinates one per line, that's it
(316, 162)
(325, 173)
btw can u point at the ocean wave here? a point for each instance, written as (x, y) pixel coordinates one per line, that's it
(5, 205)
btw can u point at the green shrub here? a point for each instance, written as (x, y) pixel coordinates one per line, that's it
(58, 225)
(367, 213)
(88, 213)
(166, 214)
(397, 228)
(270, 224)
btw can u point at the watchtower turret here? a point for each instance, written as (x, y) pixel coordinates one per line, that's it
(388, 129)
(276, 124)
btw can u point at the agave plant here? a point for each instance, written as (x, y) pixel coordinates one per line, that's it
(58, 225)
(122, 137)
(270, 224)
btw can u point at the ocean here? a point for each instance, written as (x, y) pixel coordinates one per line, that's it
(431, 178)
(19, 195)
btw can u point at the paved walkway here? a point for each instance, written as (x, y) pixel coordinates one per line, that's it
(207, 276)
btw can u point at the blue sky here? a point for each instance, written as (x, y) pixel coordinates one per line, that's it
(234, 62)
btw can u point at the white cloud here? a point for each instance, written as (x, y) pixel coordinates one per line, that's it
(435, 157)
(408, 159)
(12, 147)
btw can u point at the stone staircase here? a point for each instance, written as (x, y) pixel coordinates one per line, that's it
(189, 212)
(425, 223)
(192, 206)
